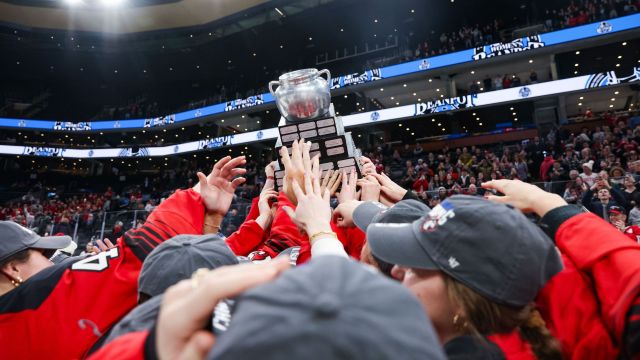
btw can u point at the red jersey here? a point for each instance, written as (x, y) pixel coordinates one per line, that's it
(62, 311)
(633, 233)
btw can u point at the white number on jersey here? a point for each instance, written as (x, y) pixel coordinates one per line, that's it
(98, 262)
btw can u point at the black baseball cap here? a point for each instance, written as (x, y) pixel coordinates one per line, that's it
(15, 238)
(491, 248)
(179, 257)
(614, 209)
(328, 308)
(405, 211)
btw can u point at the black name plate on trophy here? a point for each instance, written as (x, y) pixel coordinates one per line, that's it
(308, 130)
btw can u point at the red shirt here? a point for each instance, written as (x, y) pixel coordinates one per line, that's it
(633, 233)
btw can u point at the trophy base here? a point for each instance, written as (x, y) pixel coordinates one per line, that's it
(336, 148)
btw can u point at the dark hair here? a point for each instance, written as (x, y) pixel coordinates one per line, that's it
(20, 257)
(484, 317)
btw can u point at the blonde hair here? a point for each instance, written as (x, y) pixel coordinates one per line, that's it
(482, 316)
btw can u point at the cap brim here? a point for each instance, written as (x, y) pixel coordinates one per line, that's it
(364, 214)
(52, 242)
(398, 244)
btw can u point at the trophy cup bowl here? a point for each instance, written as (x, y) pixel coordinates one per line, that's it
(302, 94)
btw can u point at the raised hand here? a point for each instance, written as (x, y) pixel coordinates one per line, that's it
(266, 212)
(313, 213)
(369, 189)
(524, 196)
(343, 214)
(296, 165)
(218, 187)
(331, 181)
(270, 169)
(391, 192)
(348, 190)
(368, 167)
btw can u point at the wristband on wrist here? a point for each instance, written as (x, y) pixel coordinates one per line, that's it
(270, 178)
(313, 237)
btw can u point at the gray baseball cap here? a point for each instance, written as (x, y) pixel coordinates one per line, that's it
(177, 258)
(405, 211)
(329, 308)
(15, 238)
(142, 317)
(491, 248)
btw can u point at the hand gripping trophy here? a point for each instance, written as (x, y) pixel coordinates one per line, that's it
(304, 101)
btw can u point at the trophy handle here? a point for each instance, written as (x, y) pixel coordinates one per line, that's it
(326, 72)
(271, 85)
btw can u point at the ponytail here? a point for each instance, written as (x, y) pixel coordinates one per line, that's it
(535, 332)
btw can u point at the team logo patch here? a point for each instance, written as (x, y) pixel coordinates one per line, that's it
(604, 28)
(424, 65)
(524, 92)
(438, 216)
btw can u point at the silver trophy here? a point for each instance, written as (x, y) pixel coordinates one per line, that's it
(304, 101)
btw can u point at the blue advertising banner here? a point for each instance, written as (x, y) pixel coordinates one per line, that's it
(470, 55)
(579, 83)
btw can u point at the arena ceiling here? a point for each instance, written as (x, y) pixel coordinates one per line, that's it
(130, 16)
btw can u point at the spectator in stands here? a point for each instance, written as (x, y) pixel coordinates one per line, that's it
(587, 174)
(588, 114)
(497, 82)
(618, 218)
(418, 150)
(601, 205)
(634, 214)
(487, 83)
(516, 81)
(63, 227)
(629, 187)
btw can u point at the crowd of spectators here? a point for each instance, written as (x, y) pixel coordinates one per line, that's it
(79, 210)
(587, 11)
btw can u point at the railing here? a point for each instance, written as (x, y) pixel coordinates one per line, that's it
(85, 228)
